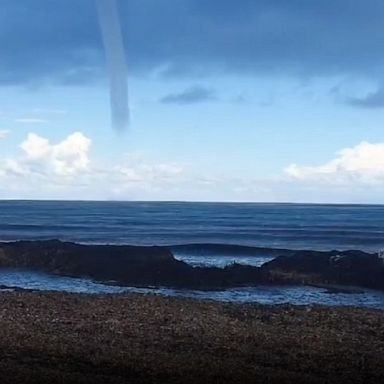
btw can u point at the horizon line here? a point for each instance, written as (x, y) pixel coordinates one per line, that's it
(188, 202)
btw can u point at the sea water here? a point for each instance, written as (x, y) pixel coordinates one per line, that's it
(203, 234)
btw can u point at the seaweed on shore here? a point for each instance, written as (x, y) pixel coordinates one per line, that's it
(71, 338)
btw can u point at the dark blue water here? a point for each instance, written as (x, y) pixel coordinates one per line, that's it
(292, 226)
(210, 227)
(263, 294)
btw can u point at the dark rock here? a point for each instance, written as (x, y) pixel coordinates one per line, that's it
(345, 268)
(135, 265)
(156, 266)
(129, 265)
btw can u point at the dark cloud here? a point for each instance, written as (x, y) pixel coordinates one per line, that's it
(372, 100)
(57, 40)
(191, 95)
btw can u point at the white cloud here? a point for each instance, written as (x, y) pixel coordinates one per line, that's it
(41, 158)
(14, 168)
(138, 169)
(363, 163)
(67, 158)
(36, 147)
(30, 120)
(3, 133)
(137, 172)
(65, 170)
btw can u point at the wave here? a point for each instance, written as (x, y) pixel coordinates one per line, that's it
(222, 255)
(208, 249)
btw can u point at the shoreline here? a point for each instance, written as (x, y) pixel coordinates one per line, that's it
(80, 338)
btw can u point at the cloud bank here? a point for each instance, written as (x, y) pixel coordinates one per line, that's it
(191, 95)
(67, 170)
(363, 163)
(59, 41)
(42, 169)
(41, 158)
(372, 100)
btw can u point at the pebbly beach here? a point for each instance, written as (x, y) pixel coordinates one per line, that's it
(76, 338)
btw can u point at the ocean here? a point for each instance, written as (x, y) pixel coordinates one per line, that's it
(291, 226)
(202, 234)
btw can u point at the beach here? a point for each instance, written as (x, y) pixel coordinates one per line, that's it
(125, 338)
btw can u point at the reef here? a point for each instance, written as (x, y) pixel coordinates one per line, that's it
(350, 268)
(156, 266)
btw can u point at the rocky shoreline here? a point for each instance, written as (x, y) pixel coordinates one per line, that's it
(156, 266)
(72, 338)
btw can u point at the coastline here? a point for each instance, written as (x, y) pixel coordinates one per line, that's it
(77, 338)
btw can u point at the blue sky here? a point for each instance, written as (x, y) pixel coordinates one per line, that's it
(259, 101)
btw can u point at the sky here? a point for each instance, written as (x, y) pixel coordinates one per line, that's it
(251, 100)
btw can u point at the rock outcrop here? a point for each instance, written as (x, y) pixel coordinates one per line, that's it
(156, 266)
(128, 265)
(345, 268)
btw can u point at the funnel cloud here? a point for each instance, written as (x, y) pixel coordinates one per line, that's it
(116, 62)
